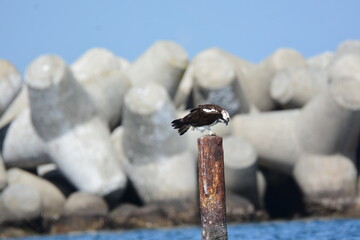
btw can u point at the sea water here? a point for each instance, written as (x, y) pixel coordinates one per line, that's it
(336, 229)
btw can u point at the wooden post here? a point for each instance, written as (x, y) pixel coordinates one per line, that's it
(212, 188)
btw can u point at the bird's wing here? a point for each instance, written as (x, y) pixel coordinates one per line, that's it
(198, 117)
(195, 109)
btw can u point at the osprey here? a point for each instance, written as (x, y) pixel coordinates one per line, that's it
(202, 118)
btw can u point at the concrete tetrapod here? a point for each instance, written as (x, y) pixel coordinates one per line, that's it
(239, 66)
(348, 47)
(272, 136)
(294, 87)
(243, 69)
(320, 61)
(215, 81)
(23, 147)
(16, 107)
(10, 84)
(100, 74)
(163, 63)
(345, 66)
(323, 126)
(326, 124)
(326, 180)
(183, 92)
(240, 161)
(264, 72)
(64, 117)
(157, 161)
(2, 174)
(98, 71)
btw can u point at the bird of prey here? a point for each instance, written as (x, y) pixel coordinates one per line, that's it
(202, 118)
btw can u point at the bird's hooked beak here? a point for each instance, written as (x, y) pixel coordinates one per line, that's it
(225, 120)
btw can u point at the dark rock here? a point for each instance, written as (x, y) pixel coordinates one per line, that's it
(328, 205)
(77, 223)
(131, 216)
(149, 216)
(182, 211)
(13, 232)
(19, 202)
(85, 204)
(238, 209)
(354, 209)
(52, 199)
(120, 215)
(18, 228)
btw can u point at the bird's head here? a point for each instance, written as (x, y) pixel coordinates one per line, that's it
(225, 118)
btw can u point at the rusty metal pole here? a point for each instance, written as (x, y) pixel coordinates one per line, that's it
(212, 188)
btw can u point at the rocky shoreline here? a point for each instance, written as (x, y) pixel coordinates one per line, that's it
(89, 146)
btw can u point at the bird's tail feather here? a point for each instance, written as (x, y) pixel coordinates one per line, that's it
(180, 125)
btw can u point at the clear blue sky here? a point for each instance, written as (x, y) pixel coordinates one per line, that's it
(251, 29)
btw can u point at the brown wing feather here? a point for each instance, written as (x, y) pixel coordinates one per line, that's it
(197, 117)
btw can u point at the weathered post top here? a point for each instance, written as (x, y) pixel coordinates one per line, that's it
(212, 188)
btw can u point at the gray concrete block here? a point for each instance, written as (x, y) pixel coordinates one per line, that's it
(76, 138)
(264, 72)
(320, 61)
(327, 121)
(294, 87)
(215, 81)
(10, 84)
(326, 125)
(243, 70)
(329, 180)
(123, 63)
(185, 87)
(240, 162)
(20, 103)
(350, 46)
(94, 62)
(165, 179)
(3, 181)
(156, 161)
(318, 175)
(240, 66)
(23, 147)
(148, 113)
(164, 63)
(116, 140)
(273, 136)
(345, 66)
(100, 74)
